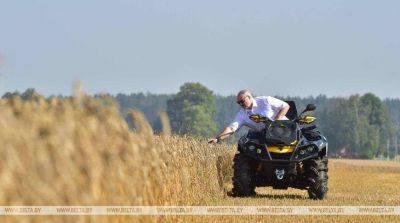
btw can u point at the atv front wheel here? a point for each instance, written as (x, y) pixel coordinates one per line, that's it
(243, 185)
(317, 174)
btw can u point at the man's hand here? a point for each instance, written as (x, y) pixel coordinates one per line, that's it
(279, 118)
(212, 141)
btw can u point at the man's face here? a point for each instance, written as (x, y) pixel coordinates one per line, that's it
(244, 101)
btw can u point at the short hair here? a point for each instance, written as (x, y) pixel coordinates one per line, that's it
(245, 92)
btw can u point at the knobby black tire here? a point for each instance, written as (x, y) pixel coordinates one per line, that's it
(317, 176)
(243, 176)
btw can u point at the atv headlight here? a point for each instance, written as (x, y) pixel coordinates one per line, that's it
(305, 152)
(251, 147)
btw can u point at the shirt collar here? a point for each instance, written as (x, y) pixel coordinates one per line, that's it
(254, 103)
(254, 106)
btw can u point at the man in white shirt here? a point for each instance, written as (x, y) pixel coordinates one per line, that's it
(266, 106)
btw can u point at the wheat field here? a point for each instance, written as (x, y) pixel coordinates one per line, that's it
(79, 151)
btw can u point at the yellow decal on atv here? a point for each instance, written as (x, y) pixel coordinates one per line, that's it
(283, 149)
(257, 118)
(307, 119)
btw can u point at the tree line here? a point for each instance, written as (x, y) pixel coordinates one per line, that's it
(358, 126)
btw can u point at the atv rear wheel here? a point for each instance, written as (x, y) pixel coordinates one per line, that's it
(243, 185)
(317, 175)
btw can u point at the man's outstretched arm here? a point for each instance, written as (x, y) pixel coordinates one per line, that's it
(225, 133)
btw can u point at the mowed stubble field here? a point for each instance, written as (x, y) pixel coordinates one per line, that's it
(351, 182)
(79, 151)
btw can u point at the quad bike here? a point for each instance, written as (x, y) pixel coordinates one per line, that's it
(287, 153)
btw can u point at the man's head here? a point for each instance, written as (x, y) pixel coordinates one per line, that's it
(244, 99)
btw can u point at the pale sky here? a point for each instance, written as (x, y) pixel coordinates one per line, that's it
(295, 48)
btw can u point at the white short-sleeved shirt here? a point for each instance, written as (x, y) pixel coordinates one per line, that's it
(265, 106)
